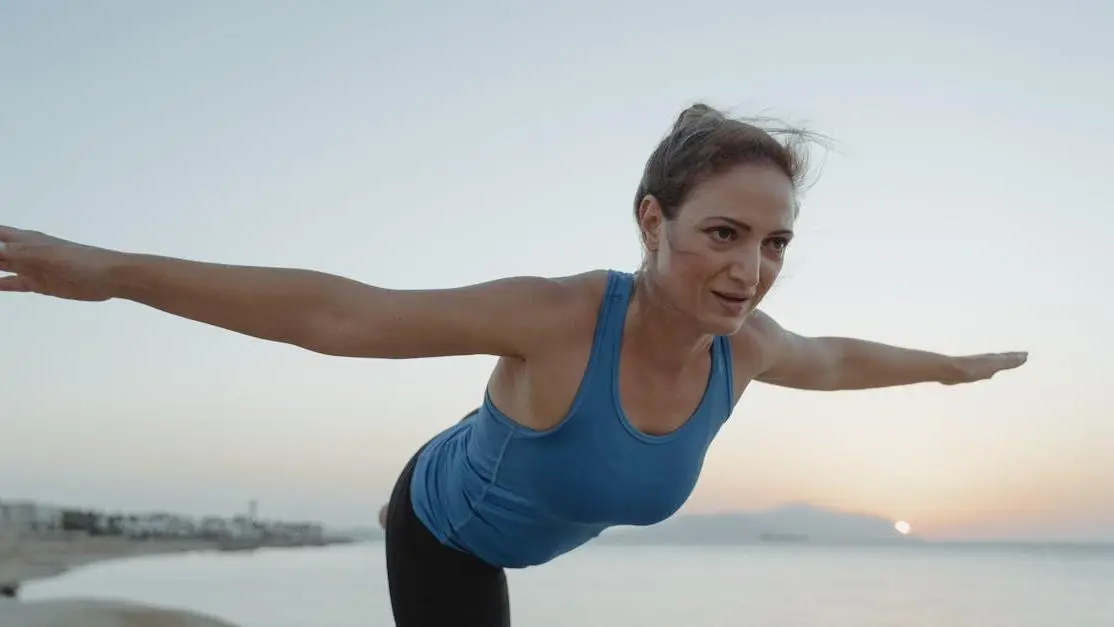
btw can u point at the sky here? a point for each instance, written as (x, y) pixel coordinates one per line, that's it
(963, 209)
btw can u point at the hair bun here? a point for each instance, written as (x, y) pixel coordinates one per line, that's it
(696, 114)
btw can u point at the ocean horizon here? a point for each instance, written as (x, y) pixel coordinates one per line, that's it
(907, 584)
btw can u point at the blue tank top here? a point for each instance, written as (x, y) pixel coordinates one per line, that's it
(515, 497)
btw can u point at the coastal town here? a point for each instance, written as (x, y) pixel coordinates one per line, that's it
(18, 518)
(38, 541)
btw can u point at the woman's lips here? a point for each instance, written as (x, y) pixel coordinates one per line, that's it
(733, 303)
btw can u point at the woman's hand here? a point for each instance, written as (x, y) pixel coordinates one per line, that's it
(48, 265)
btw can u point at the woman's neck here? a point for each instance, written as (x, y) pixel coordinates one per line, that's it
(658, 332)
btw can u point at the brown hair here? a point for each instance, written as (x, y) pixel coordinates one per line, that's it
(704, 142)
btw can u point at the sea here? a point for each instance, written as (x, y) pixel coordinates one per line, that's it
(761, 585)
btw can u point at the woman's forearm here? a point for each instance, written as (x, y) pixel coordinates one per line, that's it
(865, 364)
(278, 304)
(843, 363)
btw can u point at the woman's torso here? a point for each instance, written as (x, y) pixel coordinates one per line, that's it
(603, 445)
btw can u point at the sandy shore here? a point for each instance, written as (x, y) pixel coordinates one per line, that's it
(26, 558)
(93, 613)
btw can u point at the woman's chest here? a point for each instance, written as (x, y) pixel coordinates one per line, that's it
(590, 473)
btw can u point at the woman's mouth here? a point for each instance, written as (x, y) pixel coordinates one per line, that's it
(734, 303)
(731, 298)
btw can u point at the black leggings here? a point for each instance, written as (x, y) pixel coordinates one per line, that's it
(433, 585)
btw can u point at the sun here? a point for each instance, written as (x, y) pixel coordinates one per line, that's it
(903, 527)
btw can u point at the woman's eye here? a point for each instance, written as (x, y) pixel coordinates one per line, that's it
(722, 233)
(779, 243)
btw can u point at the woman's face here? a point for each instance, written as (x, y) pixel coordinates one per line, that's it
(719, 256)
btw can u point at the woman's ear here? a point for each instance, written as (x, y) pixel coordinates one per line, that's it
(650, 221)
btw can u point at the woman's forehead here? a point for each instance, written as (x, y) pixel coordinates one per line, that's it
(761, 197)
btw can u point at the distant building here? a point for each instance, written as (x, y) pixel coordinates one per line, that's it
(21, 516)
(18, 517)
(155, 525)
(214, 527)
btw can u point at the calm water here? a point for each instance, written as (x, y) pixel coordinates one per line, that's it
(765, 586)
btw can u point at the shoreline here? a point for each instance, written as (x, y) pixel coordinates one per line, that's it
(28, 558)
(89, 612)
(25, 558)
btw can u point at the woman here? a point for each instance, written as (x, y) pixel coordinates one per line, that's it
(609, 386)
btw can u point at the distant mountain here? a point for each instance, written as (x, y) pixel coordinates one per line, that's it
(794, 522)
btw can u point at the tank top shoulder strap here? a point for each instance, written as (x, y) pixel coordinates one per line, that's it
(721, 353)
(613, 311)
(609, 325)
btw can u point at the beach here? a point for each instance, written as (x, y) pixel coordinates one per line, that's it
(26, 557)
(40, 542)
(98, 613)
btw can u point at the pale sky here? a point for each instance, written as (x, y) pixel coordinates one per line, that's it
(440, 144)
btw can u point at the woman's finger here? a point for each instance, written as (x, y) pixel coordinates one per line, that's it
(14, 283)
(7, 233)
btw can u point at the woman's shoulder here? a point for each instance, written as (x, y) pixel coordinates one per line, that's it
(552, 310)
(753, 343)
(581, 295)
(585, 289)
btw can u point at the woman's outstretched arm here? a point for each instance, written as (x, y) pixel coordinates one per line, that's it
(840, 363)
(317, 311)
